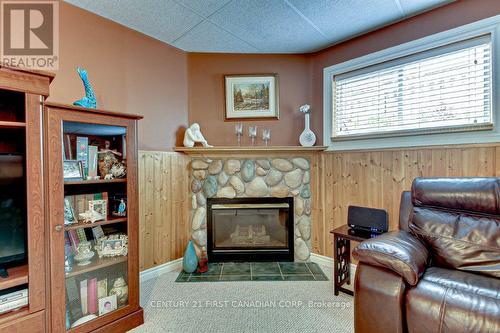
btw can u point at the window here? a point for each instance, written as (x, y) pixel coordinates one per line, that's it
(448, 88)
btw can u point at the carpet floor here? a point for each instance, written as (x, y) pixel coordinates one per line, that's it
(246, 306)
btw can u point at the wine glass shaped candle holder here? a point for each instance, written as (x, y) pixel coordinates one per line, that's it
(252, 133)
(238, 130)
(266, 136)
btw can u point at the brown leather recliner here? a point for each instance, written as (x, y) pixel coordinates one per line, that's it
(441, 271)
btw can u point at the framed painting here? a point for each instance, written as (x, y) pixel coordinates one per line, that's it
(252, 96)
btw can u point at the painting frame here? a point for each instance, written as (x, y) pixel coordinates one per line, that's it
(266, 108)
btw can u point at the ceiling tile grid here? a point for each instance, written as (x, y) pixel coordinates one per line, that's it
(255, 26)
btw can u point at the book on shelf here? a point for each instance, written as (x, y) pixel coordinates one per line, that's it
(74, 240)
(81, 234)
(92, 161)
(82, 152)
(84, 296)
(73, 299)
(102, 288)
(97, 232)
(92, 296)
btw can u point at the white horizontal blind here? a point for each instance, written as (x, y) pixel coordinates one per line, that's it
(444, 89)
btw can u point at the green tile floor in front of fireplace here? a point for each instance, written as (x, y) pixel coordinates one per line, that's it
(257, 271)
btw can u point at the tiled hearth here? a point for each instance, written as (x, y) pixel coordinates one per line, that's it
(257, 271)
(245, 176)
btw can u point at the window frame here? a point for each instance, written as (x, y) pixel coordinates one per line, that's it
(489, 26)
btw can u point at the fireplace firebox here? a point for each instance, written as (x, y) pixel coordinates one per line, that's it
(250, 229)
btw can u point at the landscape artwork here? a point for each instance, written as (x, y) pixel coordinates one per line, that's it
(249, 96)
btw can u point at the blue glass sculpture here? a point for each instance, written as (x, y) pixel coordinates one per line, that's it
(190, 260)
(89, 100)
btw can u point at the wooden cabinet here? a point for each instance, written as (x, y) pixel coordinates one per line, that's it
(22, 95)
(92, 265)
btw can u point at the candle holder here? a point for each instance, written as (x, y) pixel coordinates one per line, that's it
(266, 135)
(238, 130)
(252, 133)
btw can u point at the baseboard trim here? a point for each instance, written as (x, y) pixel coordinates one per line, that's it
(328, 262)
(156, 271)
(322, 260)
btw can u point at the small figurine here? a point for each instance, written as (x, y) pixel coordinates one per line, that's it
(107, 158)
(91, 216)
(120, 289)
(122, 208)
(193, 135)
(118, 170)
(89, 100)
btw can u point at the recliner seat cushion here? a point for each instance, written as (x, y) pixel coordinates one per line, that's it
(453, 301)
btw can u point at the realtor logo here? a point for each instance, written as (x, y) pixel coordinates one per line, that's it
(30, 34)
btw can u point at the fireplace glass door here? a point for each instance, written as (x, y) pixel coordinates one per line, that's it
(250, 227)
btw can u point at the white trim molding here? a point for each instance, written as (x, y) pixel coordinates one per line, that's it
(490, 26)
(157, 271)
(328, 262)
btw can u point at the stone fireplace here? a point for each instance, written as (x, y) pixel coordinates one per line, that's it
(250, 229)
(253, 177)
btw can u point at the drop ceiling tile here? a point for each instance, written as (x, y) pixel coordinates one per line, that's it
(204, 7)
(165, 20)
(207, 37)
(341, 19)
(412, 7)
(272, 26)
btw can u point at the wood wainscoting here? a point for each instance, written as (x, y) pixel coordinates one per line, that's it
(338, 179)
(164, 207)
(376, 179)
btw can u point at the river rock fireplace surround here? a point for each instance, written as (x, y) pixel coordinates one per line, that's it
(232, 173)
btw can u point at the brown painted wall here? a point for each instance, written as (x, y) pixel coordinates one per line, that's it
(130, 72)
(206, 94)
(441, 19)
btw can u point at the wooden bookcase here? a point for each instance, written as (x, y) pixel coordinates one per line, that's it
(22, 94)
(64, 126)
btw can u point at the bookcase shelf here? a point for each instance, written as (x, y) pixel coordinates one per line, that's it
(17, 276)
(95, 224)
(97, 263)
(98, 181)
(12, 124)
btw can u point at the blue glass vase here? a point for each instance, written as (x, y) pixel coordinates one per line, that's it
(190, 260)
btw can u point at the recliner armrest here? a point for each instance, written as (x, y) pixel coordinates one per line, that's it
(398, 251)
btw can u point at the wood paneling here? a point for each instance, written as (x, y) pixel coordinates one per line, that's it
(164, 207)
(377, 178)
(338, 179)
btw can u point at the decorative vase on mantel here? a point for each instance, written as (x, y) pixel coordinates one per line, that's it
(190, 260)
(307, 138)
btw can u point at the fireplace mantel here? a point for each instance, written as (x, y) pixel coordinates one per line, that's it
(252, 150)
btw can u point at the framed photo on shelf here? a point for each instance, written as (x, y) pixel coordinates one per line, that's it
(72, 170)
(252, 96)
(107, 304)
(100, 207)
(112, 246)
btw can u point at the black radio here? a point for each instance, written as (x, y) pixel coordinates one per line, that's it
(368, 220)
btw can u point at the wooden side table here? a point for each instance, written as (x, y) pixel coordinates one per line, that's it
(342, 238)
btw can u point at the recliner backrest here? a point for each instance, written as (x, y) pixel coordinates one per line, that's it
(459, 220)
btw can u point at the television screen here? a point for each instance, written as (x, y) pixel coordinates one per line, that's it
(12, 211)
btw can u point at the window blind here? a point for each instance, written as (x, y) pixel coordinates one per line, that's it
(440, 90)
